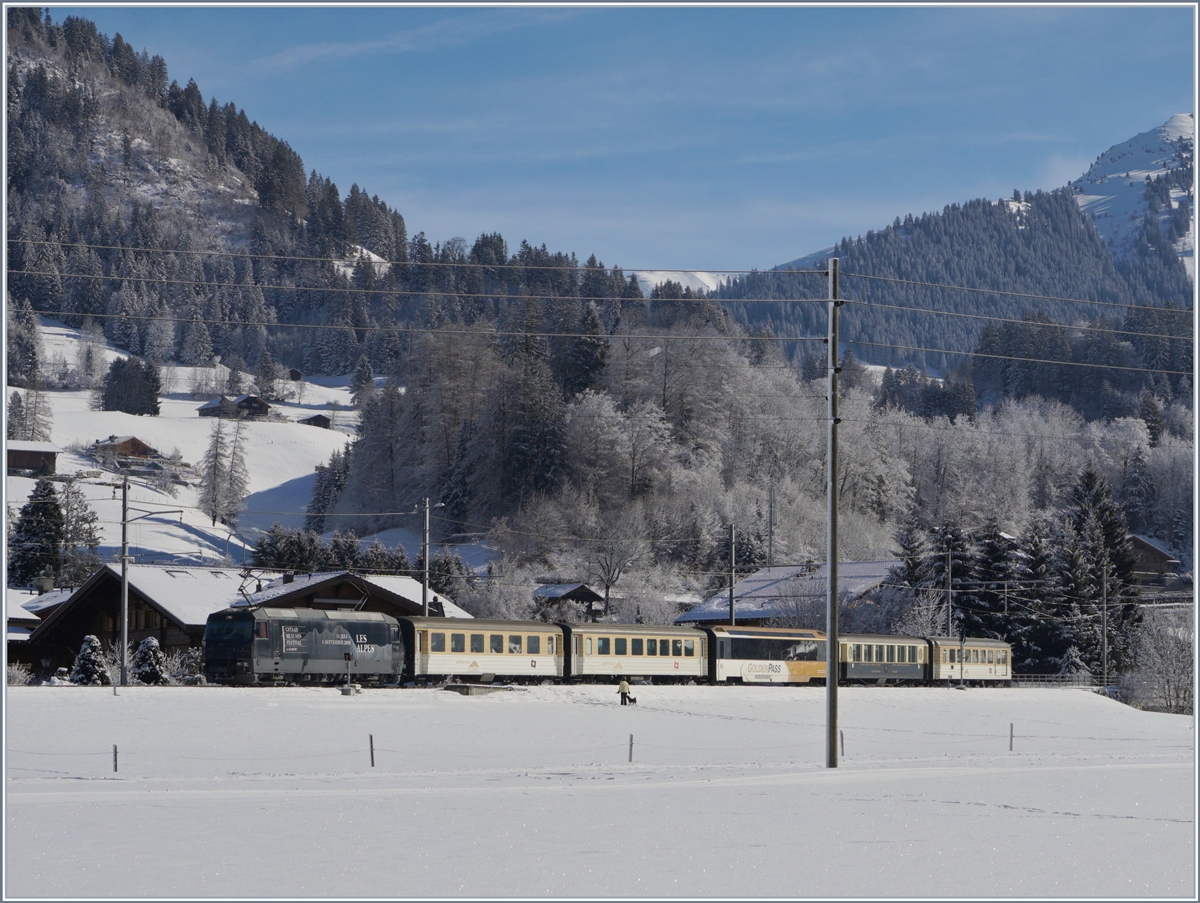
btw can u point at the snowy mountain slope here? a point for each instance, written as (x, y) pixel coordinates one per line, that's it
(281, 457)
(1112, 191)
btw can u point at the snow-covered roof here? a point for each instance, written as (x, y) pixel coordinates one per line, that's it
(215, 403)
(405, 587)
(38, 604)
(1156, 544)
(15, 445)
(558, 590)
(187, 594)
(772, 592)
(15, 600)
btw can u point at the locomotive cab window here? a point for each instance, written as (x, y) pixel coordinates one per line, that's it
(514, 645)
(534, 643)
(458, 642)
(635, 647)
(477, 642)
(437, 642)
(621, 645)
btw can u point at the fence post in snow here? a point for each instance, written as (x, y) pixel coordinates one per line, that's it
(631, 747)
(1010, 736)
(114, 758)
(372, 740)
(842, 740)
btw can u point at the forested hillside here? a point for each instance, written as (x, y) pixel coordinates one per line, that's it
(1026, 253)
(591, 432)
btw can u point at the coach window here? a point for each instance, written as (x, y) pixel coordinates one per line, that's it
(622, 646)
(652, 647)
(496, 642)
(856, 651)
(975, 656)
(689, 647)
(458, 643)
(676, 648)
(477, 642)
(1002, 658)
(603, 645)
(549, 645)
(912, 653)
(636, 647)
(868, 653)
(891, 653)
(991, 653)
(901, 654)
(879, 653)
(535, 645)
(437, 642)
(664, 647)
(589, 645)
(514, 645)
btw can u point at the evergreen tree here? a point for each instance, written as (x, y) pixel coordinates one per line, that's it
(587, 353)
(37, 539)
(88, 669)
(131, 386)
(14, 427)
(149, 663)
(81, 538)
(214, 471)
(362, 382)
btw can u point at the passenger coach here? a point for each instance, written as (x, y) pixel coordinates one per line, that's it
(613, 651)
(971, 659)
(755, 655)
(882, 658)
(437, 647)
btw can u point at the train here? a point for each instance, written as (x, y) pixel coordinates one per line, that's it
(264, 645)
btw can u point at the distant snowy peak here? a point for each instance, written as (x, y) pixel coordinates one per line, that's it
(1112, 191)
(697, 281)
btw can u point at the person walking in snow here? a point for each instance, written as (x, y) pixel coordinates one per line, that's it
(623, 689)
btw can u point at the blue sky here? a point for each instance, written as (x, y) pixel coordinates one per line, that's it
(664, 138)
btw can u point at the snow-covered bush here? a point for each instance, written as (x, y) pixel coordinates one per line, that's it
(184, 666)
(89, 666)
(1162, 677)
(110, 659)
(17, 675)
(149, 663)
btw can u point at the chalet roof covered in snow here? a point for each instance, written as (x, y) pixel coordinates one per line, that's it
(579, 592)
(405, 588)
(773, 592)
(15, 445)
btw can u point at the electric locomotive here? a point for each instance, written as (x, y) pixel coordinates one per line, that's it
(289, 645)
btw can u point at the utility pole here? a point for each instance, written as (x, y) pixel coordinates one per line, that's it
(831, 501)
(771, 528)
(425, 564)
(1104, 622)
(124, 579)
(732, 576)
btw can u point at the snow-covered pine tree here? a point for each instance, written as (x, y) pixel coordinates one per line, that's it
(237, 480)
(14, 426)
(80, 537)
(149, 663)
(214, 471)
(36, 542)
(89, 669)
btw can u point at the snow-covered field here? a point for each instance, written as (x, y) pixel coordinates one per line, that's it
(529, 793)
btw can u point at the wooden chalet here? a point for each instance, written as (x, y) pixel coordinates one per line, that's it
(554, 599)
(251, 407)
(1154, 561)
(123, 447)
(39, 458)
(294, 375)
(217, 407)
(319, 420)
